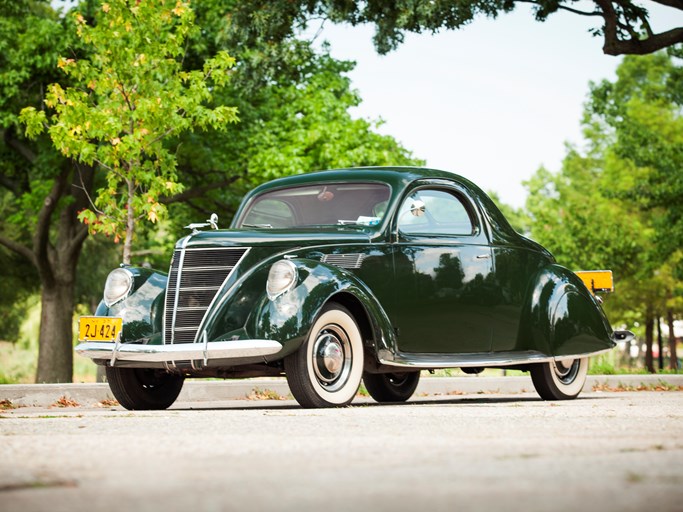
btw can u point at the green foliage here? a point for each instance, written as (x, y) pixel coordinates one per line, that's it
(130, 95)
(626, 28)
(581, 226)
(619, 206)
(31, 35)
(293, 119)
(641, 112)
(517, 217)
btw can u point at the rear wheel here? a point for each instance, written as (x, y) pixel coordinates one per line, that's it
(391, 387)
(144, 389)
(559, 380)
(327, 369)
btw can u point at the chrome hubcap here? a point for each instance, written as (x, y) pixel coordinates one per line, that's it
(331, 358)
(566, 371)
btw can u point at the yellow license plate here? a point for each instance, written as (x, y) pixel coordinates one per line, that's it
(597, 280)
(99, 328)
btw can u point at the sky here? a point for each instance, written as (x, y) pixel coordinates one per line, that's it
(492, 102)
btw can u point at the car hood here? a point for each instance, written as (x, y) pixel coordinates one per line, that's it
(279, 237)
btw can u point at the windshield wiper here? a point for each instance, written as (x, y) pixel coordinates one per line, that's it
(266, 226)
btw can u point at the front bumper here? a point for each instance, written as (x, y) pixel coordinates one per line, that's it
(235, 349)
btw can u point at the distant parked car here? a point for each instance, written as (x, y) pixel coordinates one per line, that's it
(334, 277)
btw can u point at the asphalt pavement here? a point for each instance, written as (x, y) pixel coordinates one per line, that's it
(481, 451)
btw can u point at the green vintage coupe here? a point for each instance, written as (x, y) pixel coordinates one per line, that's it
(334, 277)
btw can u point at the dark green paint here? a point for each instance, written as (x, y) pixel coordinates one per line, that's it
(143, 310)
(491, 291)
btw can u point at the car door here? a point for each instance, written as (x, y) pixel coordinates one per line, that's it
(443, 273)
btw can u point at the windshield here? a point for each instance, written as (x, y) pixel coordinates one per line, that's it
(361, 204)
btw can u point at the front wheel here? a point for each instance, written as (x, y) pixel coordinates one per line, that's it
(559, 380)
(327, 369)
(144, 389)
(391, 387)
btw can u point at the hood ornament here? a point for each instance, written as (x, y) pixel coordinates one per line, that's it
(196, 226)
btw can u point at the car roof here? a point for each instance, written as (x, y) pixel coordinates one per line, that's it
(397, 177)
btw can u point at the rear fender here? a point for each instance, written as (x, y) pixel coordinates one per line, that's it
(562, 318)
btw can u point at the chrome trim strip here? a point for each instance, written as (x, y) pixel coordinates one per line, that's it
(200, 327)
(117, 345)
(182, 245)
(204, 269)
(179, 352)
(473, 360)
(348, 260)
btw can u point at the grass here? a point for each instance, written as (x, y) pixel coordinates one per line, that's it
(19, 359)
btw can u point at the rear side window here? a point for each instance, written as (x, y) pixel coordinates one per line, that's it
(435, 212)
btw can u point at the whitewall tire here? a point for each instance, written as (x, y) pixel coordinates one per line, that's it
(560, 380)
(326, 371)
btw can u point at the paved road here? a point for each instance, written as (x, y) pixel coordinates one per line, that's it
(604, 451)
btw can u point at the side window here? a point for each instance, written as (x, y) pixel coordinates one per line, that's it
(434, 212)
(271, 213)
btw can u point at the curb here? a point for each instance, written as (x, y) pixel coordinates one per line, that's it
(45, 395)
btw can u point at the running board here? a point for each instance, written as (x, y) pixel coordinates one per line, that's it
(474, 360)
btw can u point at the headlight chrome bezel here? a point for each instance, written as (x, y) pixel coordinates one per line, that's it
(117, 287)
(282, 277)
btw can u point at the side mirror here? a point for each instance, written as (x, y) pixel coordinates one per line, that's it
(417, 208)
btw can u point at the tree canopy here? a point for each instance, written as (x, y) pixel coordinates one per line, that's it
(101, 98)
(130, 93)
(618, 204)
(624, 24)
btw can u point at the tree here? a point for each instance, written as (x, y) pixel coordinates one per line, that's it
(130, 95)
(641, 113)
(293, 119)
(517, 217)
(291, 99)
(50, 188)
(617, 205)
(42, 191)
(625, 25)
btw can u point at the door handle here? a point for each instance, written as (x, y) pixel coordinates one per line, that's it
(483, 256)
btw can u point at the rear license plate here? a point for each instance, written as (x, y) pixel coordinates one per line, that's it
(597, 280)
(99, 328)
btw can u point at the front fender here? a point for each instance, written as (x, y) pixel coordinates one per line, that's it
(561, 317)
(143, 310)
(288, 318)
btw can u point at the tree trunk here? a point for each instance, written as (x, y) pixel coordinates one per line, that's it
(53, 246)
(649, 335)
(130, 224)
(660, 344)
(55, 353)
(673, 356)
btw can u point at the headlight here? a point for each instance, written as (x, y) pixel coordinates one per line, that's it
(281, 278)
(118, 285)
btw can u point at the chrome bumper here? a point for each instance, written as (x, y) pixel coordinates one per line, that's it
(179, 352)
(623, 336)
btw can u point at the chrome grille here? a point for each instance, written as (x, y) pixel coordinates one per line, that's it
(194, 278)
(344, 260)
